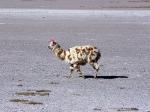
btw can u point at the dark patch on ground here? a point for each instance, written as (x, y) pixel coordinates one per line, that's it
(19, 85)
(97, 109)
(18, 100)
(25, 101)
(34, 93)
(82, 6)
(55, 83)
(42, 90)
(67, 77)
(34, 103)
(20, 80)
(127, 109)
(76, 94)
(30, 93)
(121, 87)
(104, 77)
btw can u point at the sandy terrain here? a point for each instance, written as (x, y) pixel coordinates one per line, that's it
(33, 80)
(76, 4)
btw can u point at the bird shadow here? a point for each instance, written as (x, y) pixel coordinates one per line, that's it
(104, 77)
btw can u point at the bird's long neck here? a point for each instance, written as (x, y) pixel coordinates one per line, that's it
(59, 52)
